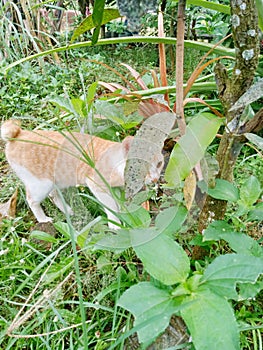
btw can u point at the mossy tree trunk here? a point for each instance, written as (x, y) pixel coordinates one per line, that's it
(231, 88)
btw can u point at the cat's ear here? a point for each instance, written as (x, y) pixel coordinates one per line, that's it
(126, 144)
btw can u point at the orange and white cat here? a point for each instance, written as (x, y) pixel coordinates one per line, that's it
(46, 160)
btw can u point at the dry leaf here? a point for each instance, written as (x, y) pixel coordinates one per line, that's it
(189, 190)
(8, 209)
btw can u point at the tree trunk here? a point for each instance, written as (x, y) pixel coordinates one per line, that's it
(245, 36)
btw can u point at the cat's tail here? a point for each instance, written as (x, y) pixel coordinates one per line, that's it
(10, 129)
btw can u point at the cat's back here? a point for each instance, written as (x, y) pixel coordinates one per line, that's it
(51, 154)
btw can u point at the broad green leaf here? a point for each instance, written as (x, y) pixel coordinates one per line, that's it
(64, 104)
(135, 216)
(239, 242)
(250, 191)
(223, 274)
(78, 106)
(117, 241)
(191, 147)
(211, 321)
(152, 307)
(170, 220)
(224, 190)
(210, 5)
(255, 139)
(163, 258)
(88, 23)
(256, 214)
(43, 236)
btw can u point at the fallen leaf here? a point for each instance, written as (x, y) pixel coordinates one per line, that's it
(8, 209)
(189, 189)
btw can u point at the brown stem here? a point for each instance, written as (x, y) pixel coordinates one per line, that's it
(179, 67)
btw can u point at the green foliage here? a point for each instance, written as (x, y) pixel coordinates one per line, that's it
(191, 147)
(90, 22)
(202, 296)
(199, 298)
(245, 197)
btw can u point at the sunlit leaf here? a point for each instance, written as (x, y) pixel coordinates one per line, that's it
(255, 139)
(88, 23)
(191, 147)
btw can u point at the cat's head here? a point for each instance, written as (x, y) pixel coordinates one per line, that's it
(154, 167)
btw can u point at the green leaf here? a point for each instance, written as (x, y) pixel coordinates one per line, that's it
(118, 241)
(135, 216)
(256, 214)
(58, 269)
(63, 228)
(250, 191)
(97, 18)
(88, 23)
(259, 4)
(170, 220)
(64, 104)
(191, 147)
(222, 275)
(211, 322)
(224, 190)
(239, 242)
(43, 236)
(152, 307)
(249, 290)
(163, 258)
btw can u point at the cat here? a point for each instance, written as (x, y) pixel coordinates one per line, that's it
(45, 160)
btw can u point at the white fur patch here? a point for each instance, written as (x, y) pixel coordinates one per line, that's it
(38, 189)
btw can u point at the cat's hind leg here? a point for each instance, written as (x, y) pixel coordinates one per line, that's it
(57, 200)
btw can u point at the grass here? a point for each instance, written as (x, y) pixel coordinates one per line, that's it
(73, 286)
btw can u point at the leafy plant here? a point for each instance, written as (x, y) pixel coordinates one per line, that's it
(199, 297)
